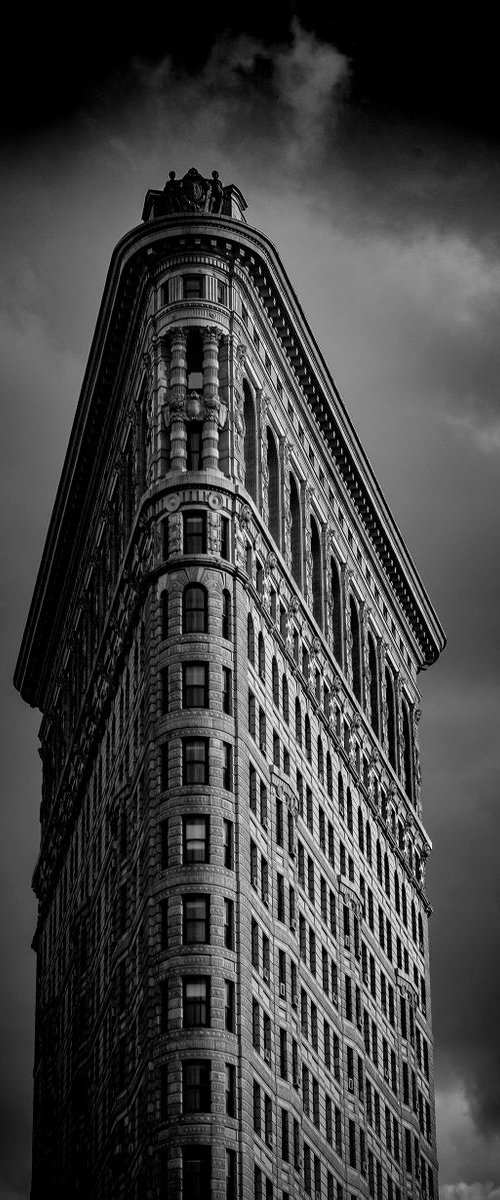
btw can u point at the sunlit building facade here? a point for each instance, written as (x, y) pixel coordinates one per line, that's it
(233, 994)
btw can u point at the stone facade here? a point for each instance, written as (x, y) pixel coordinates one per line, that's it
(224, 641)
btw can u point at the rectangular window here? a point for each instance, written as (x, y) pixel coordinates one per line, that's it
(196, 1090)
(229, 845)
(309, 810)
(327, 1053)
(194, 760)
(254, 878)
(262, 731)
(196, 919)
(227, 767)
(221, 292)
(195, 685)
(224, 538)
(281, 897)
(196, 1172)
(279, 822)
(285, 1140)
(312, 952)
(230, 1090)
(196, 1001)
(256, 1025)
(227, 677)
(264, 879)
(251, 714)
(229, 1006)
(231, 1189)
(195, 533)
(192, 287)
(255, 944)
(195, 839)
(283, 1054)
(229, 924)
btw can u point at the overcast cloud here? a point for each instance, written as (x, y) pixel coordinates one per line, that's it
(388, 228)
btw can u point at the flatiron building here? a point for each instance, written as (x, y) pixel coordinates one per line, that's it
(224, 642)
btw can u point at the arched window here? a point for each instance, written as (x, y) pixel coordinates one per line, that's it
(262, 657)
(276, 683)
(374, 690)
(355, 649)
(329, 775)
(226, 615)
(285, 700)
(391, 716)
(317, 574)
(361, 832)
(336, 631)
(250, 443)
(298, 723)
(274, 490)
(164, 613)
(407, 751)
(250, 640)
(295, 531)
(321, 761)
(194, 609)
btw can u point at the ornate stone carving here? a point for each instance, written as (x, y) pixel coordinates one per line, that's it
(193, 193)
(213, 532)
(240, 355)
(175, 534)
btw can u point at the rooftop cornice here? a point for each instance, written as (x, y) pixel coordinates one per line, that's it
(133, 259)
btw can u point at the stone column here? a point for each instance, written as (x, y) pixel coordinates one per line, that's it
(211, 402)
(177, 400)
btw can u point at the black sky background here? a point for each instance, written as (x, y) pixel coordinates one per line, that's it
(413, 143)
(426, 62)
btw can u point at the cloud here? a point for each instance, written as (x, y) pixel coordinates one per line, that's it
(484, 435)
(469, 1191)
(466, 1155)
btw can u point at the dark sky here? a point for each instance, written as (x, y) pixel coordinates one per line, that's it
(368, 150)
